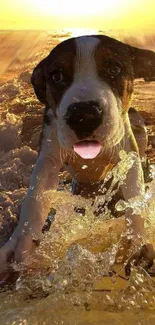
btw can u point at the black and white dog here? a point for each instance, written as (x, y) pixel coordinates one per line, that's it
(86, 84)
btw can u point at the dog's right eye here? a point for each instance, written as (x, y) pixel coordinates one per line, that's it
(57, 76)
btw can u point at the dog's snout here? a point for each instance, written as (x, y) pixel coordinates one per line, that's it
(84, 118)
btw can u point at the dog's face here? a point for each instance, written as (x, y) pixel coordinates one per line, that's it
(86, 84)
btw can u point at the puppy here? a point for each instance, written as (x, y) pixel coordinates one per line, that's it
(86, 84)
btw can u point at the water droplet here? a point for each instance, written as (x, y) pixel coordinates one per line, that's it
(84, 166)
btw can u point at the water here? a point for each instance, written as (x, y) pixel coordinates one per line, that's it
(66, 281)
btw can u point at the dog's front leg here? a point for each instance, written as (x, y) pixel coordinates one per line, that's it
(134, 189)
(34, 210)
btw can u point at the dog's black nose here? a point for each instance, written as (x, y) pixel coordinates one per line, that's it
(84, 118)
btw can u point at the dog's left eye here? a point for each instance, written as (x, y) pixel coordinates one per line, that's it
(57, 76)
(114, 69)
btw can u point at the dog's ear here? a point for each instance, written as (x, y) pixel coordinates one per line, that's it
(143, 63)
(38, 81)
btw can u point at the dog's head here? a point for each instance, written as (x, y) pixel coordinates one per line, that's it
(87, 84)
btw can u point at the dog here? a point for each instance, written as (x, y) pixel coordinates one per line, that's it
(86, 84)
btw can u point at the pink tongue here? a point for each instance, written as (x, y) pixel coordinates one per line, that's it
(87, 149)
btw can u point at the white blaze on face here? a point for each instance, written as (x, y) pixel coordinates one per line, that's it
(88, 86)
(85, 74)
(85, 66)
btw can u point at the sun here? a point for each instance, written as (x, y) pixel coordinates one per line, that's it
(60, 14)
(78, 8)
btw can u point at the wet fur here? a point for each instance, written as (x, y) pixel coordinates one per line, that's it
(84, 64)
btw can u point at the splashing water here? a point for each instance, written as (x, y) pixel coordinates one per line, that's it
(76, 253)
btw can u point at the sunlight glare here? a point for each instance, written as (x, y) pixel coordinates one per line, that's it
(81, 31)
(78, 8)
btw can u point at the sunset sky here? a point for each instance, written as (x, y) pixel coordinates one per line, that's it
(96, 14)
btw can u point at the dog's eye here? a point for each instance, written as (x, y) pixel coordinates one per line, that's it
(114, 69)
(57, 76)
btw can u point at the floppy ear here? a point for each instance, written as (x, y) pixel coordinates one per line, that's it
(143, 63)
(38, 81)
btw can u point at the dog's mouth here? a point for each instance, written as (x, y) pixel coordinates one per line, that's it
(87, 149)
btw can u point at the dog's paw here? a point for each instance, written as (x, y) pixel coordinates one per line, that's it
(17, 248)
(140, 255)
